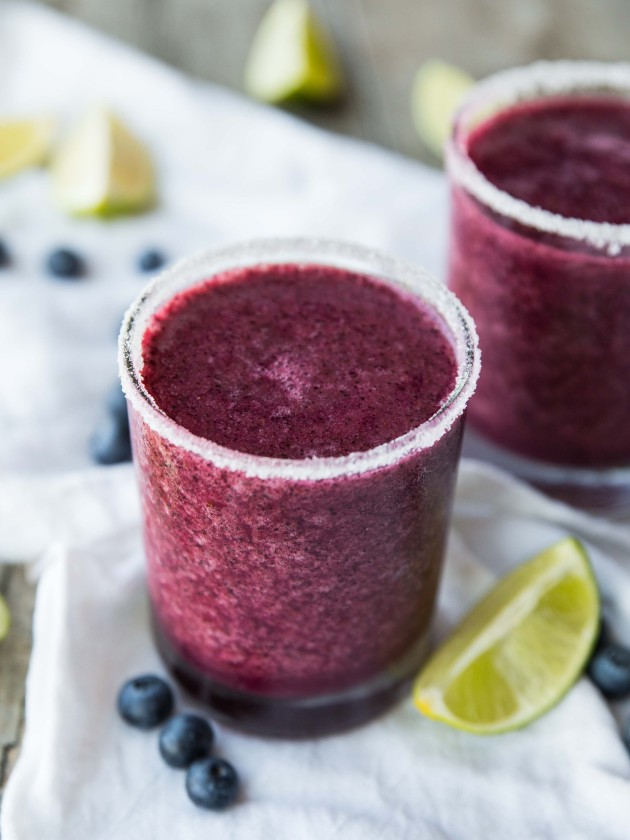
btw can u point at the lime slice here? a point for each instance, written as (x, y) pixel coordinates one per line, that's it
(292, 57)
(24, 143)
(5, 618)
(102, 169)
(520, 649)
(438, 90)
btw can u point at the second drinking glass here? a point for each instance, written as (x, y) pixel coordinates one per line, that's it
(539, 164)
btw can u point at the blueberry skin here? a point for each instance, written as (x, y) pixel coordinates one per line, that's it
(145, 701)
(212, 783)
(111, 442)
(151, 260)
(185, 738)
(65, 264)
(610, 670)
(5, 257)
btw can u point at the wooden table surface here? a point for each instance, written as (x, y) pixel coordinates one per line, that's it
(382, 43)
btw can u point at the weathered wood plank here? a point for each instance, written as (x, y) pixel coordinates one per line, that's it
(14, 657)
(364, 108)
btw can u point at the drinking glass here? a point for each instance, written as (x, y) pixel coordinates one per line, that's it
(550, 296)
(294, 597)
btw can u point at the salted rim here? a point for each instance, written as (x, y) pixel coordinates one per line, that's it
(544, 78)
(201, 267)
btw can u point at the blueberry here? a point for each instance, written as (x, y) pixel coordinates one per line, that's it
(145, 701)
(151, 260)
(184, 739)
(212, 783)
(5, 257)
(111, 442)
(65, 264)
(117, 403)
(610, 670)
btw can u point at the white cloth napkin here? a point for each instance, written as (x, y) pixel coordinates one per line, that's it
(229, 170)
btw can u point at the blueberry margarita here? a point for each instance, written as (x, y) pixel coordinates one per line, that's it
(540, 255)
(296, 414)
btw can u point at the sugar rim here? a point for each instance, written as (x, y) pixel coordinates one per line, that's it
(544, 78)
(200, 267)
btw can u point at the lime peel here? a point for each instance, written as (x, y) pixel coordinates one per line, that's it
(24, 143)
(438, 90)
(102, 169)
(520, 649)
(292, 57)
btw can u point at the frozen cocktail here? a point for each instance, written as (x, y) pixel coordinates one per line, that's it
(539, 254)
(296, 412)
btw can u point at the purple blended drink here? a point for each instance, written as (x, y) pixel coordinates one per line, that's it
(297, 413)
(540, 255)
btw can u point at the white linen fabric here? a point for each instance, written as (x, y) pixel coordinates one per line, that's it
(231, 170)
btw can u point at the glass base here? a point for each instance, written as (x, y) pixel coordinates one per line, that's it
(603, 492)
(294, 717)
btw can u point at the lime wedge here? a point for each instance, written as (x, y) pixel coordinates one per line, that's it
(24, 143)
(5, 618)
(292, 57)
(438, 90)
(102, 169)
(519, 650)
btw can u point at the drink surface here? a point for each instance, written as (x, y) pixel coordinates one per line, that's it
(569, 155)
(297, 361)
